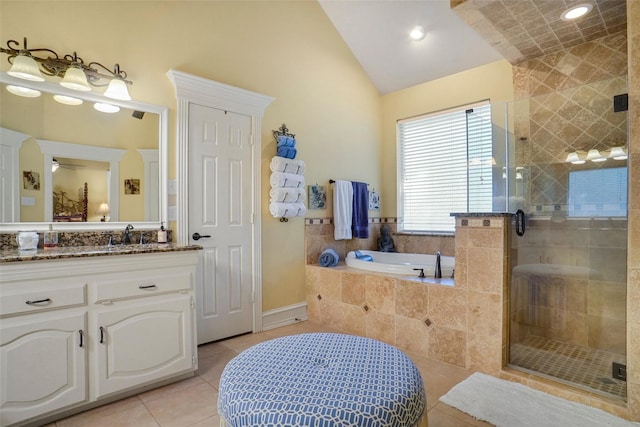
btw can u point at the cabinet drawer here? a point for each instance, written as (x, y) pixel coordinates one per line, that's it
(145, 283)
(40, 297)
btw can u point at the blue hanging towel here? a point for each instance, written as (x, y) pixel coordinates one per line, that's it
(360, 212)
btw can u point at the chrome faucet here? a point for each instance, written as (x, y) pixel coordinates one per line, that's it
(126, 238)
(438, 266)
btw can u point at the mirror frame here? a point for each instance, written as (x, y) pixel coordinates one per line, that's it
(163, 144)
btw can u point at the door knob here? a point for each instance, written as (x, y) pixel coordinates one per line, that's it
(198, 236)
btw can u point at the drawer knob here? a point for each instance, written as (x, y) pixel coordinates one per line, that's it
(147, 286)
(39, 301)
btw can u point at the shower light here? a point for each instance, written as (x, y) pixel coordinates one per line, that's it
(576, 12)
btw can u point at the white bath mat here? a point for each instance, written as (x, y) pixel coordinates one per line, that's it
(508, 404)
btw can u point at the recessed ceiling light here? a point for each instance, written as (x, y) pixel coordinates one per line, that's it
(576, 12)
(417, 33)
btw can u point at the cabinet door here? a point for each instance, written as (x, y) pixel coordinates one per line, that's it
(42, 363)
(141, 341)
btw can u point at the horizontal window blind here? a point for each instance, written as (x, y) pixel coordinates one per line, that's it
(444, 165)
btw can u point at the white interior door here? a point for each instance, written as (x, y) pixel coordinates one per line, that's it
(220, 210)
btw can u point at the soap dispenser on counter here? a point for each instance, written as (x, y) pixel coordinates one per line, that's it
(162, 234)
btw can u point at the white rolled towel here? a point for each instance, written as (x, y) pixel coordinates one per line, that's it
(287, 210)
(287, 195)
(282, 164)
(282, 179)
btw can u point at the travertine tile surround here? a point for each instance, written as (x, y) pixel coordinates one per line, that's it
(633, 256)
(460, 325)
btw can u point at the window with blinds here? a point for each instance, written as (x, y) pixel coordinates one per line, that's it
(445, 165)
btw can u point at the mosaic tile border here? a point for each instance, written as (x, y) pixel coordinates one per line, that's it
(329, 221)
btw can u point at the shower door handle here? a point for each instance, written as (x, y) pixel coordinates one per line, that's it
(520, 227)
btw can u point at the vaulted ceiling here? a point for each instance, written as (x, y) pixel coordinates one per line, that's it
(461, 34)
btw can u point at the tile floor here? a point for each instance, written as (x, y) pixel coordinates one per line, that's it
(583, 367)
(192, 402)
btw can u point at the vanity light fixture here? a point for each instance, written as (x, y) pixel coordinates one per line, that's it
(618, 153)
(573, 158)
(594, 156)
(31, 64)
(417, 33)
(576, 12)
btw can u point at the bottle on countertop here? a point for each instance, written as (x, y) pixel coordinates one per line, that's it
(162, 234)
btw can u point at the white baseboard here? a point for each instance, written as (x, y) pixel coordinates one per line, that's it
(284, 316)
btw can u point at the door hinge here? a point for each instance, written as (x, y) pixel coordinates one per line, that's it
(251, 139)
(194, 360)
(253, 296)
(192, 303)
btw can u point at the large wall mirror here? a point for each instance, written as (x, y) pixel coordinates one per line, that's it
(79, 168)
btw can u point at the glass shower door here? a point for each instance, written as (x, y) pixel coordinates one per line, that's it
(568, 260)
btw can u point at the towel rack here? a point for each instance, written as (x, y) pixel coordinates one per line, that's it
(283, 130)
(331, 181)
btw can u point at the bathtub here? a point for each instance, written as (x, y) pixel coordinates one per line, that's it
(401, 263)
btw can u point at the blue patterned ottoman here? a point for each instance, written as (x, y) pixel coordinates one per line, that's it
(322, 379)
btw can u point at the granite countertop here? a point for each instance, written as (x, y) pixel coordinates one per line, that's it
(13, 255)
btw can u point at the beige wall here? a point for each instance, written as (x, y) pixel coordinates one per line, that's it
(493, 82)
(285, 49)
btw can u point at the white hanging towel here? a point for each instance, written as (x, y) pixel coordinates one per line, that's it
(282, 179)
(287, 195)
(282, 164)
(342, 209)
(287, 210)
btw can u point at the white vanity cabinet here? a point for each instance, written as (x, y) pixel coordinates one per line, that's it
(77, 331)
(43, 364)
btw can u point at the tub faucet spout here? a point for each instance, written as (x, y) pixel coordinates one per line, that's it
(438, 269)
